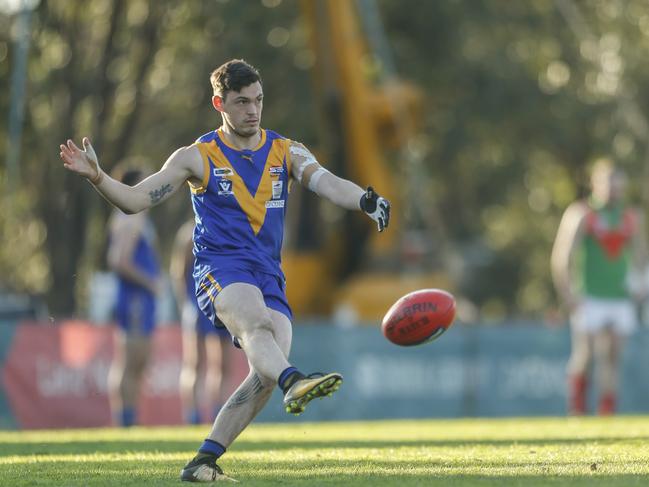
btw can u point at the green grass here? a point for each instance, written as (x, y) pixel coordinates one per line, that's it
(478, 452)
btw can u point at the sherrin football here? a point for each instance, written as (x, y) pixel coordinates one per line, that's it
(419, 317)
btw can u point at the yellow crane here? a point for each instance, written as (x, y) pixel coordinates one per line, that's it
(363, 118)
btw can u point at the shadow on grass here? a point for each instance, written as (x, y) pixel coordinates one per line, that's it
(8, 448)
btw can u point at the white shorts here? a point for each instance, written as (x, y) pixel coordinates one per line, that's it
(595, 314)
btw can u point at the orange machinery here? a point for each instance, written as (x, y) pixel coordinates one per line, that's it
(364, 117)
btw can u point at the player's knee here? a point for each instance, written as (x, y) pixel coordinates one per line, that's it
(188, 375)
(579, 363)
(609, 359)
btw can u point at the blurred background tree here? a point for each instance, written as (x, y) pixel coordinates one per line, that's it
(520, 98)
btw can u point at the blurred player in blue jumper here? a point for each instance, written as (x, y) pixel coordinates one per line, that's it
(204, 344)
(133, 257)
(239, 178)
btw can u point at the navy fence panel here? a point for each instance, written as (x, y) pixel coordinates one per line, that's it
(509, 370)
(7, 331)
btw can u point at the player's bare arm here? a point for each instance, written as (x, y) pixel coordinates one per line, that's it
(640, 247)
(638, 285)
(184, 164)
(182, 260)
(569, 237)
(342, 192)
(125, 233)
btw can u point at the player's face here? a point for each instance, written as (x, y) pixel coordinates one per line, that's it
(242, 109)
(609, 186)
(618, 186)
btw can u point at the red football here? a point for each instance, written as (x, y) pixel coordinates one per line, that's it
(419, 317)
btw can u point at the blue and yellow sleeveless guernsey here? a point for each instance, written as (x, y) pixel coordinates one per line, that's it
(239, 208)
(605, 252)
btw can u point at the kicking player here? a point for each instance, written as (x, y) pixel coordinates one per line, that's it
(203, 343)
(133, 257)
(598, 261)
(239, 178)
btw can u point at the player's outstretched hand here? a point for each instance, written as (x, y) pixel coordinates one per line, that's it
(376, 207)
(83, 162)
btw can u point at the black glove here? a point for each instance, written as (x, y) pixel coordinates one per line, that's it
(376, 207)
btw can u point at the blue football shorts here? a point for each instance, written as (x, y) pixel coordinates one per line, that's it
(135, 311)
(272, 287)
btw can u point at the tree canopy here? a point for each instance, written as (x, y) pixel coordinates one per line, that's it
(520, 97)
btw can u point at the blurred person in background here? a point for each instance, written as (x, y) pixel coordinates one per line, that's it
(133, 257)
(598, 267)
(239, 177)
(204, 344)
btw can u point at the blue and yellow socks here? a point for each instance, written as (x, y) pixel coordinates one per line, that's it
(288, 377)
(127, 417)
(211, 448)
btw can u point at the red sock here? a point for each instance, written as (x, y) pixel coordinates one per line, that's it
(577, 385)
(607, 404)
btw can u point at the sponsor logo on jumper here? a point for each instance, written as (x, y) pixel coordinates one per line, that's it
(225, 187)
(275, 204)
(276, 170)
(221, 172)
(277, 189)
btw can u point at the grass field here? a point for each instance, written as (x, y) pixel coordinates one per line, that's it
(608, 452)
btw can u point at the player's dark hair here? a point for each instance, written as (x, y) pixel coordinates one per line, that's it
(605, 165)
(131, 177)
(233, 76)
